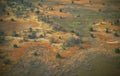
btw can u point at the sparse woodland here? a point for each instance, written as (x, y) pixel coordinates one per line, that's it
(59, 38)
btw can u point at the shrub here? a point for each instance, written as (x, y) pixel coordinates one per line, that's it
(12, 19)
(116, 34)
(2, 37)
(41, 36)
(92, 35)
(71, 41)
(60, 10)
(30, 29)
(58, 55)
(107, 30)
(72, 2)
(52, 40)
(14, 33)
(2, 56)
(63, 46)
(15, 46)
(1, 51)
(33, 35)
(37, 12)
(1, 20)
(7, 61)
(117, 50)
(91, 29)
(36, 54)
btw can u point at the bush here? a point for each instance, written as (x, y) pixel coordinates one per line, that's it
(116, 34)
(72, 2)
(60, 10)
(1, 20)
(117, 50)
(14, 33)
(33, 35)
(91, 29)
(30, 29)
(7, 61)
(2, 37)
(58, 55)
(92, 35)
(36, 54)
(71, 41)
(15, 46)
(12, 19)
(2, 56)
(107, 30)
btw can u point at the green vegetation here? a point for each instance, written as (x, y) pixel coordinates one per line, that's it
(36, 54)
(2, 56)
(7, 61)
(33, 35)
(1, 20)
(116, 34)
(117, 50)
(92, 35)
(15, 46)
(60, 10)
(71, 41)
(12, 19)
(2, 36)
(58, 55)
(91, 29)
(30, 29)
(107, 30)
(15, 34)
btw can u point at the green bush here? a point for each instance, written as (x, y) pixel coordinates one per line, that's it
(92, 35)
(2, 56)
(91, 29)
(60, 10)
(36, 54)
(117, 50)
(7, 61)
(1, 20)
(58, 55)
(107, 30)
(12, 19)
(71, 41)
(116, 34)
(14, 33)
(33, 35)
(30, 29)
(15, 46)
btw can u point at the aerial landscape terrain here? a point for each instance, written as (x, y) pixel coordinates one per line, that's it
(59, 37)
